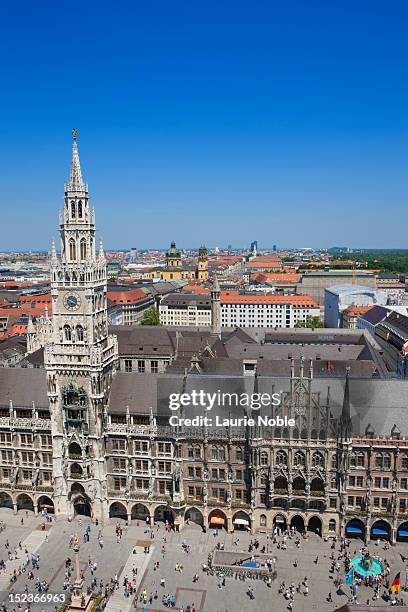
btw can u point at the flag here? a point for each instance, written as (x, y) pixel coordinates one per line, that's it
(396, 585)
(350, 577)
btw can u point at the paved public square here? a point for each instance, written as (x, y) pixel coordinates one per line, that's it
(116, 558)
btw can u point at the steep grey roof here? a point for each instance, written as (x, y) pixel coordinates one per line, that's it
(374, 404)
(137, 391)
(142, 339)
(36, 359)
(331, 352)
(23, 387)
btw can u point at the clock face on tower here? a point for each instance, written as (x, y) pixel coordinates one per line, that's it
(72, 301)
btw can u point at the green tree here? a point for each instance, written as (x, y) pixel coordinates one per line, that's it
(310, 322)
(151, 316)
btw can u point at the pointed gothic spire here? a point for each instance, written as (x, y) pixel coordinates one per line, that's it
(76, 182)
(345, 419)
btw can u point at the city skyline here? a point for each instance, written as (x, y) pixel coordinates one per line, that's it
(199, 124)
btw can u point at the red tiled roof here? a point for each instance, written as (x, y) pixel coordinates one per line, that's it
(356, 311)
(44, 298)
(126, 297)
(265, 277)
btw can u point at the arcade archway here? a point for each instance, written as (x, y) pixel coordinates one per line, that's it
(82, 507)
(118, 510)
(45, 503)
(279, 522)
(315, 525)
(355, 529)
(193, 515)
(6, 501)
(163, 514)
(298, 523)
(140, 512)
(218, 519)
(241, 521)
(24, 502)
(402, 532)
(380, 530)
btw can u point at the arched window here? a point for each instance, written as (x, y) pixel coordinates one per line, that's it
(238, 453)
(262, 520)
(332, 525)
(404, 461)
(299, 458)
(197, 451)
(281, 458)
(73, 209)
(334, 460)
(264, 458)
(190, 451)
(80, 209)
(317, 460)
(83, 249)
(264, 480)
(67, 333)
(72, 250)
(80, 333)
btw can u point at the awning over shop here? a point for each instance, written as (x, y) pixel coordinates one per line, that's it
(354, 530)
(241, 521)
(403, 533)
(377, 531)
(217, 520)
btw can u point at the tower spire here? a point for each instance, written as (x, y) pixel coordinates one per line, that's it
(76, 182)
(345, 419)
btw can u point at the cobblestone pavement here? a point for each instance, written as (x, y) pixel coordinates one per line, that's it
(205, 594)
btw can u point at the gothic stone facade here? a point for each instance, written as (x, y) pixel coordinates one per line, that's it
(68, 442)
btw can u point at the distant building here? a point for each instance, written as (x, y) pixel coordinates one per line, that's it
(315, 283)
(340, 297)
(392, 335)
(370, 319)
(274, 248)
(350, 316)
(254, 247)
(186, 310)
(126, 305)
(237, 310)
(176, 269)
(249, 310)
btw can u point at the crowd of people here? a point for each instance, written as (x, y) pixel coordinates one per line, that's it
(336, 560)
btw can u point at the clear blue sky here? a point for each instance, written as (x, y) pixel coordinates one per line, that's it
(216, 122)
